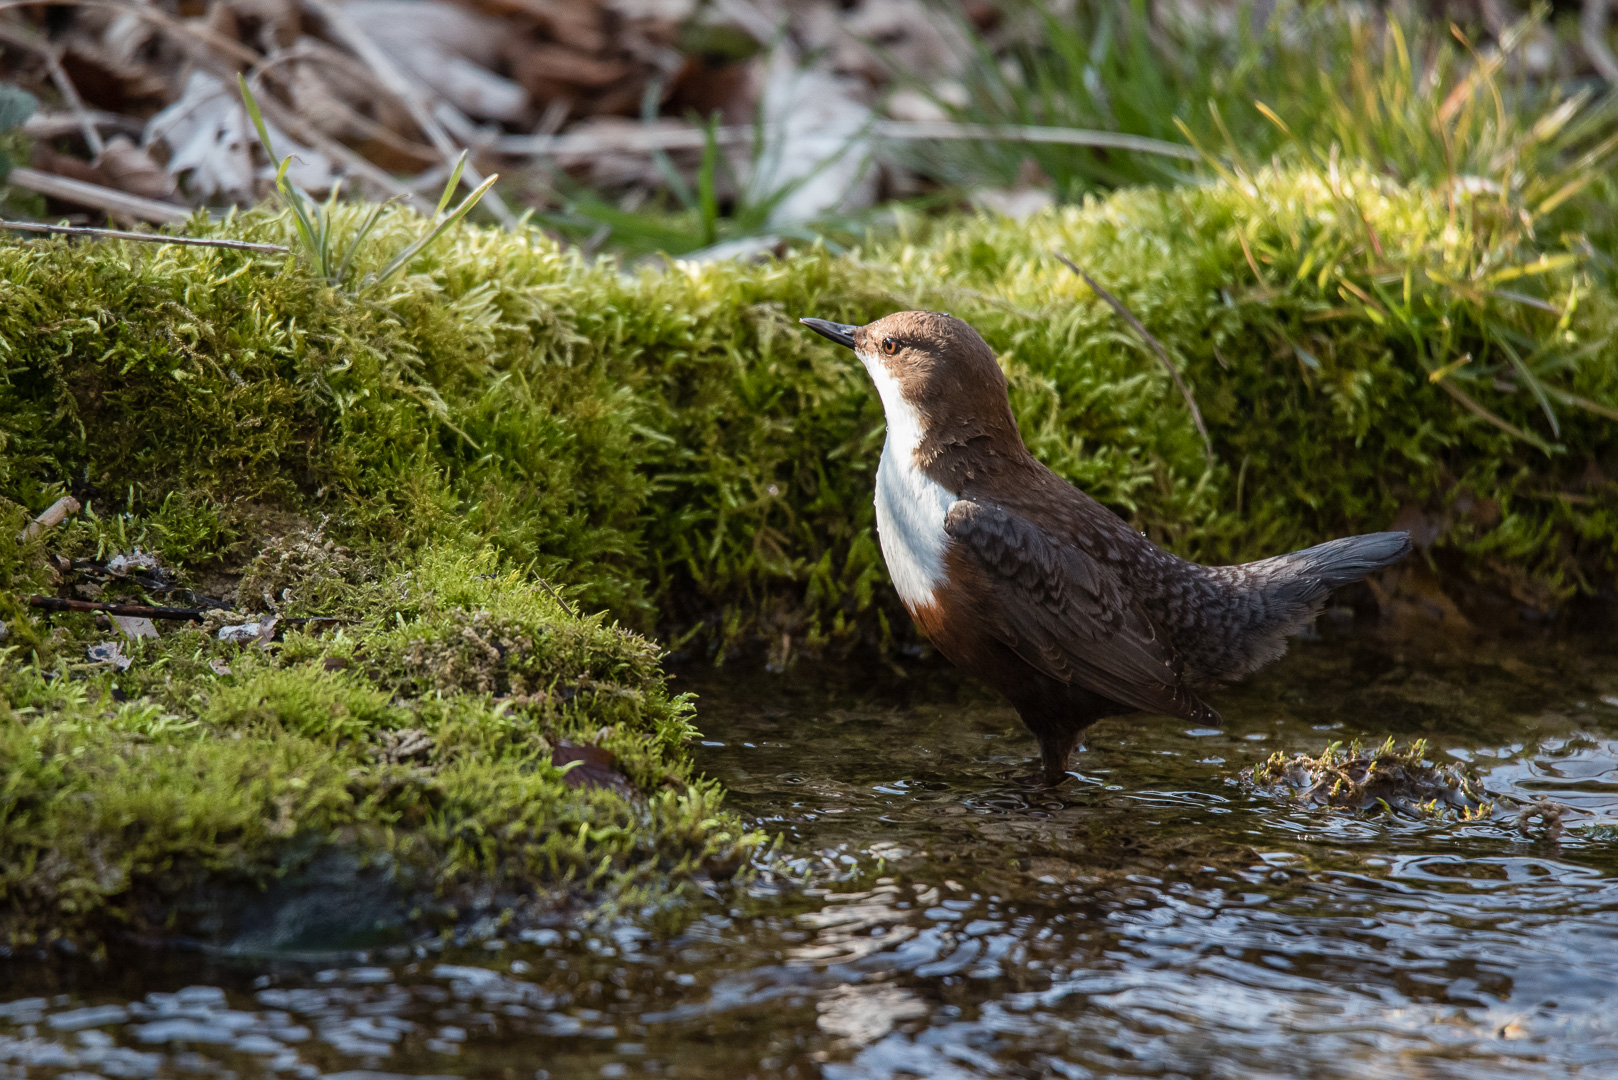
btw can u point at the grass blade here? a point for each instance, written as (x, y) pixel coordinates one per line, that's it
(450, 186)
(1449, 387)
(1156, 346)
(251, 104)
(706, 193)
(1535, 387)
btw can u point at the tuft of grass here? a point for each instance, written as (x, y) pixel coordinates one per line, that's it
(1412, 98)
(1099, 66)
(318, 224)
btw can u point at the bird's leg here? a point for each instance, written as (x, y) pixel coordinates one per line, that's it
(1055, 747)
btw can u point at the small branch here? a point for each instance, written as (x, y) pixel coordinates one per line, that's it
(909, 130)
(1157, 347)
(648, 139)
(139, 611)
(567, 607)
(1593, 37)
(148, 238)
(53, 516)
(81, 193)
(52, 124)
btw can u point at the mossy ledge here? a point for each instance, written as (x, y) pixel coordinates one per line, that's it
(404, 768)
(667, 447)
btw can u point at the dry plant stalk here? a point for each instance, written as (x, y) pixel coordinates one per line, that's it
(1156, 347)
(146, 238)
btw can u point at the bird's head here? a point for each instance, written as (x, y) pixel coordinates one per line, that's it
(936, 375)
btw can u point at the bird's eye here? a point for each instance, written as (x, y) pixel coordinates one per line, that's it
(889, 346)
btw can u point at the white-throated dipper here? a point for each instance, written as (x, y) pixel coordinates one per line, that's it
(1037, 589)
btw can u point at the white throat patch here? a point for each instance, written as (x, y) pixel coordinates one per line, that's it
(910, 505)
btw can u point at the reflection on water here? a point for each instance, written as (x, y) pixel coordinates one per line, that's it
(1153, 918)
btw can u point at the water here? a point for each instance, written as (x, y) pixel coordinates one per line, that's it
(1155, 918)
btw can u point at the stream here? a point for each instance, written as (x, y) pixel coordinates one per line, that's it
(937, 916)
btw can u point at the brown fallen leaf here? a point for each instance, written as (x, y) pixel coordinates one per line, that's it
(127, 167)
(595, 768)
(542, 67)
(46, 159)
(449, 49)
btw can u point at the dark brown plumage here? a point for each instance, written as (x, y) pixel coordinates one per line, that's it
(1036, 588)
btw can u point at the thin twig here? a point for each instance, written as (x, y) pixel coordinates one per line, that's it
(143, 611)
(647, 139)
(1157, 347)
(149, 238)
(567, 607)
(139, 611)
(51, 124)
(408, 92)
(81, 193)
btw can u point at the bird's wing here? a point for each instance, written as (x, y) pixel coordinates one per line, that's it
(1066, 613)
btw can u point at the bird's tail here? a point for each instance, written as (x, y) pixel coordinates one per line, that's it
(1316, 571)
(1274, 598)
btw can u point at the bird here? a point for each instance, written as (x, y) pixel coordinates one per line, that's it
(1043, 593)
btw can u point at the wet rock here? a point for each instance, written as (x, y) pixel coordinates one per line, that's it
(338, 900)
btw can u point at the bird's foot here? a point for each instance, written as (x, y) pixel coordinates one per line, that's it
(1041, 777)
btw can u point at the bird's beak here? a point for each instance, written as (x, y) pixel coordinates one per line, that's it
(842, 333)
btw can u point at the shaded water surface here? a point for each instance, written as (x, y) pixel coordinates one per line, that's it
(1153, 918)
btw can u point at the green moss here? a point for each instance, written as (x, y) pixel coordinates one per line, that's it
(400, 733)
(1386, 778)
(675, 449)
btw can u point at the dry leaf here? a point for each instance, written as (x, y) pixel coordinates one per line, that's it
(596, 767)
(816, 147)
(128, 167)
(448, 48)
(211, 140)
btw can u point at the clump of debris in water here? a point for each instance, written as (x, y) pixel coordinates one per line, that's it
(1400, 780)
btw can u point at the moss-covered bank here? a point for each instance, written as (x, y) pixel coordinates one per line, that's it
(671, 448)
(461, 739)
(674, 448)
